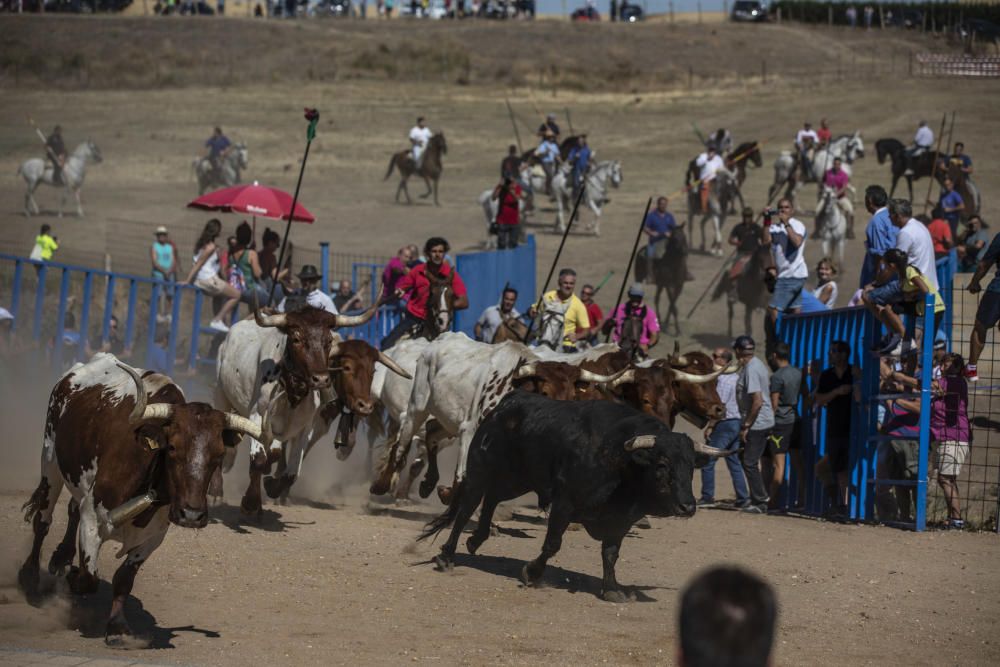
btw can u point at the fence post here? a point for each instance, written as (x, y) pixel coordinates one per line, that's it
(909, 65)
(88, 284)
(829, 15)
(109, 304)
(324, 266)
(57, 348)
(154, 307)
(133, 293)
(779, 16)
(881, 17)
(15, 297)
(195, 330)
(763, 71)
(36, 329)
(690, 77)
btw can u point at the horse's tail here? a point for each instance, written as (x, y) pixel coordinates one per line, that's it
(436, 525)
(392, 165)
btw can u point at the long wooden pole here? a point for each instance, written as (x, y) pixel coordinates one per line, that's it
(517, 135)
(628, 269)
(937, 151)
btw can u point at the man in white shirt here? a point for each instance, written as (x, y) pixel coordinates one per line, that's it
(419, 136)
(914, 239)
(923, 140)
(310, 294)
(709, 163)
(787, 237)
(493, 317)
(806, 141)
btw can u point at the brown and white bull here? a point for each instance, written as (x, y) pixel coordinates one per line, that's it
(136, 457)
(293, 368)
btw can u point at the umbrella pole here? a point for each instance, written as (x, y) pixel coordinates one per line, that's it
(313, 117)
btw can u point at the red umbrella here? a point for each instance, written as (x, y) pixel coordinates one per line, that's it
(256, 200)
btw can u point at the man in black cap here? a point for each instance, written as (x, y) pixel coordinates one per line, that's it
(753, 387)
(310, 294)
(56, 150)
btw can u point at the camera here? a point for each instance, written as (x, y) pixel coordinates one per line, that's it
(769, 212)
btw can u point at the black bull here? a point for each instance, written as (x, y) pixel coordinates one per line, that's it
(601, 464)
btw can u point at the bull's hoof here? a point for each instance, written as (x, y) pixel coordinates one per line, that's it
(443, 563)
(445, 494)
(62, 558)
(473, 544)
(531, 573)
(250, 506)
(425, 488)
(402, 501)
(28, 581)
(617, 596)
(273, 486)
(643, 523)
(81, 582)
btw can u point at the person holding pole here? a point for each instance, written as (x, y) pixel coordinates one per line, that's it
(564, 317)
(56, 149)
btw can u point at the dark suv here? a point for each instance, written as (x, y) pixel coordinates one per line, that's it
(749, 10)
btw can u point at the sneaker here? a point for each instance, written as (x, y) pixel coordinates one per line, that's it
(955, 524)
(705, 504)
(742, 504)
(891, 345)
(755, 509)
(218, 325)
(904, 348)
(971, 374)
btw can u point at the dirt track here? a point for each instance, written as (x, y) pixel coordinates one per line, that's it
(320, 584)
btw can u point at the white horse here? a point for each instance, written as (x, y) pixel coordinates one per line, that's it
(821, 163)
(725, 191)
(831, 224)
(37, 170)
(595, 195)
(228, 174)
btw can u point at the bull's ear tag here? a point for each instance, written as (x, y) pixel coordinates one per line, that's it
(640, 442)
(151, 443)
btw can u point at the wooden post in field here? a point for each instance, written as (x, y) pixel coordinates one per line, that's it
(690, 77)
(779, 15)
(763, 71)
(881, 17)
(699, 12)
(909, 65)
(829, 15)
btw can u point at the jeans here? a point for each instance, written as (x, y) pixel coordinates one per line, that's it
(752, 451)
(725, 435)
(507, 236)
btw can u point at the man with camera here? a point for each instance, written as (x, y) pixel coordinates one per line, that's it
(787, 238)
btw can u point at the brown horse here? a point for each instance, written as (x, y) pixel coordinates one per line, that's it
(668, 275)
(511, 328)
(963, 186)
(746, 287)
(430, 168)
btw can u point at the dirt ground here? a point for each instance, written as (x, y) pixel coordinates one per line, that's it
(338, 580)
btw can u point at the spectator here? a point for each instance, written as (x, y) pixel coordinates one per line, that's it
(950, 205)
(163, 255)
(972, 244)
(869, 14)
(309, 295)
(950, 432)
(852, 16)
(206, 274)
(940, 235)
(914, 239)
(834, 392)
(45, 244)
(826, 288)
(244, 268)
(787, 238)
(837, 179)
(756, 419)
(727, 617)
(494, 316)
(510, 166)
(785, 385)
(415, 257)
(724, 435)
(636, 326)
(914, 286)
(898, 457)
(268, 258)
(397, 267)
(114, 343)
(564, 317)
(595, 316)
(508, 195)
(159, 358)
(988, 312)
(346, 300)
(880, 234)
(71, 338)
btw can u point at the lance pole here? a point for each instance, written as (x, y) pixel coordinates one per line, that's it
(628, 269)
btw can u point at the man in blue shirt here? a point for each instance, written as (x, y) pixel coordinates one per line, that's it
(659, 227)
(217, 146)
(988, 313)
(579, 158)
(548, 153)
(960, 158)
(950, 205)
(880, 234)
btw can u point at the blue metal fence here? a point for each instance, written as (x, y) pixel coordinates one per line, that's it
(486, 273)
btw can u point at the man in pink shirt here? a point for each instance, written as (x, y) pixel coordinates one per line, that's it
(636, 326)
(838, 179)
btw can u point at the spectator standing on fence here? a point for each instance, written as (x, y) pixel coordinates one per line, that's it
(940, 235)
(852, 16)
(972, 243)
(494, 316)
(880, 234)
(834, 392)
(45, 244)
(207, 277)
(914, 239)
(785, 385)
(950, 432)
(346, 300)
(914, 286)
(395, 269)
(164, 257)
(756, 418)
(508, 195)
(787, 237)
(564, 318)
(725, 435)
(988, 312)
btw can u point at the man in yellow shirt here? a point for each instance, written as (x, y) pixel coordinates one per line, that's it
(563, 315)
(45, 244)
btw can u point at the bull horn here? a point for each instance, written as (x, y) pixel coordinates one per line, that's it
(358, 320)
(243, 425)
(392, 365)
(626, 377)
(277, 320)
(711, 452)
(694, 378)
(590, 376)
(677, 358)
(526, 371)
(733, 367)
(143, 412)
(640, 442)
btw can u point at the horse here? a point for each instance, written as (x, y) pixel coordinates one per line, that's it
(669, 272)
(963, 186)
(720, 196)
(228, 173)
(490, 207)
(38, 170)
(595, 192)
(430, 167)
(831, 224)
(747, 153)
(848, 147)
(511, 328)
(747, 287)
(787, 170)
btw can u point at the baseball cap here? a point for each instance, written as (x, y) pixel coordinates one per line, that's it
(161, 230)
(636, 290)
(5, 315)
(744, 342)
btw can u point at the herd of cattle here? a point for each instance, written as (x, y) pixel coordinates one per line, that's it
(590, 433)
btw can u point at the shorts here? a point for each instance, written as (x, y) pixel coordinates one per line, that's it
(779, 440)
(213, 286)
(988, 313)
(838, 451)
(901, 458)
(884, 295)
(787, 294)
(951, 454)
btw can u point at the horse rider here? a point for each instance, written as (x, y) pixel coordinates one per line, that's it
(923, 140)
(660, 226)
(746, 238)
(838, 179)
(805, 143)
(420, 134)
(549, 125)
(565, 320)
(636, 326)
(56, 150)
(217, 147)
(723, 140)
(494, 316)
(579, 157)
(823, 133)
(417, 284)
(709, 163)
(548, 154)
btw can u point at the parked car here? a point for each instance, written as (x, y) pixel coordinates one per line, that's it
(749, 10)
(630, 13)
(981, 29)
(585, 14)
(435, 9)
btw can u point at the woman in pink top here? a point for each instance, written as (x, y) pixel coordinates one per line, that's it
(636, 326)
(950, 432)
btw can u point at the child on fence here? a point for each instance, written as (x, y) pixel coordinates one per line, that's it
(915, 287)
(950, 432)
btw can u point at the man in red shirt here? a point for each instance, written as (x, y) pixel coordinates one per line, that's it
(418, 283)
(594, 313)
(508, 195)
(940, 234)
(823, 133)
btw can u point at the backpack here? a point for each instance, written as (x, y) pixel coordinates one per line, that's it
(235, 276)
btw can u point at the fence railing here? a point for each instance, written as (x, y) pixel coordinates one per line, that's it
(938, 64)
